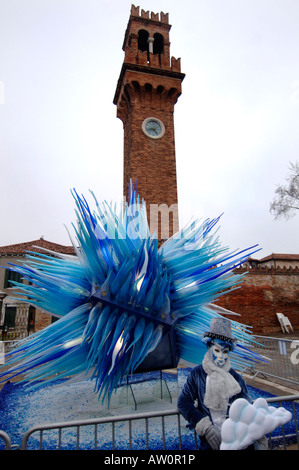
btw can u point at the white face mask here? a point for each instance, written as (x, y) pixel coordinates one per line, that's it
(219, 354)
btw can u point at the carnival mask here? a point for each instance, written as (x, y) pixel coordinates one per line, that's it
(219, 353)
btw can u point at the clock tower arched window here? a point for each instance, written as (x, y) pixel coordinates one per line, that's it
(143, 40)
(158, 43)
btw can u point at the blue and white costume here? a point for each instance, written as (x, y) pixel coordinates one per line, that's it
(212, 387)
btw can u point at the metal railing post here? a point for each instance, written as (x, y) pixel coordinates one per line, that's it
(6, 440)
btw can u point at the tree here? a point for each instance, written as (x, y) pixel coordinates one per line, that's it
(286, 201)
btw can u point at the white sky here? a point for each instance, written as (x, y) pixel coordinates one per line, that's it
(236, 122)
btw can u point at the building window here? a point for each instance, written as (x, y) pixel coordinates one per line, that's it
(11, 276)
(158, 43)
(31, 318)
(143, 40)
(10, 317)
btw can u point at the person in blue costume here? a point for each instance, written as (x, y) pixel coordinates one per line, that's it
(212, 386)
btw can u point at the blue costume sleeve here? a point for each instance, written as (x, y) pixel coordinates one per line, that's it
(193, 390)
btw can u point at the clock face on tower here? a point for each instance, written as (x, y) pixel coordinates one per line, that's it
(153, 128)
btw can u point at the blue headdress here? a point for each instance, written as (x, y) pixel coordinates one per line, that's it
(120, 294)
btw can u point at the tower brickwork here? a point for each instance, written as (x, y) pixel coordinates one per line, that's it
(147, 90)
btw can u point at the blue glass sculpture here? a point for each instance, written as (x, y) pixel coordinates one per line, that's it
(120, 294)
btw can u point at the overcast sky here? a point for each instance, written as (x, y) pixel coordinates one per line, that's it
(236, 122)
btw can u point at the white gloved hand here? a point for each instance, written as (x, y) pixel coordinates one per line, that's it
(205, 428)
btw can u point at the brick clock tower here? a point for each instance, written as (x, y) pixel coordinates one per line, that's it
(147, 90)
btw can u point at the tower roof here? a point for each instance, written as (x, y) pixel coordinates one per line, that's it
(281, 256)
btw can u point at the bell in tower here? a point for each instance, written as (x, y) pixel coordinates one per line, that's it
(147, 90)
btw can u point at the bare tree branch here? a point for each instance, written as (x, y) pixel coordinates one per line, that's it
(286, 202)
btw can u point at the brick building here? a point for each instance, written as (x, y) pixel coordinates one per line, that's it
(147, 90)
(270, 286)
(18, 318)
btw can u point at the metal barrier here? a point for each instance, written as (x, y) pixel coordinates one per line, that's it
(146, 417)
(5, 437)
(294, 436)
(284, 440)
(282, 357)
